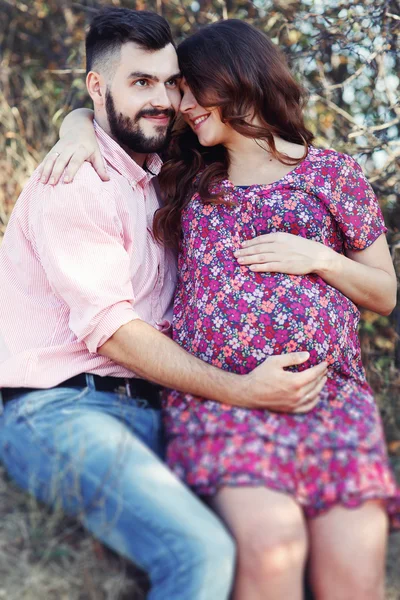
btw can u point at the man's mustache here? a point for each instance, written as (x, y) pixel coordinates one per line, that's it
(152, 112)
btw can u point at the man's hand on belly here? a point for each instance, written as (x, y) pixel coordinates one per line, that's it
(153, 356)
(270, 386)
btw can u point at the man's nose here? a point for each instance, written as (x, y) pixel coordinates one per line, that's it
(161, 99)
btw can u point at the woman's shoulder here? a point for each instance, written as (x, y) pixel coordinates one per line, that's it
(332, 158)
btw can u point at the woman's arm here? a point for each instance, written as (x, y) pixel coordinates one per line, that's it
(77, 143)
(367, 276)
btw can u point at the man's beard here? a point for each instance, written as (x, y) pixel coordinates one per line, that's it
(127, 131)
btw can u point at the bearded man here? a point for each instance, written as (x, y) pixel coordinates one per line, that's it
(80, 271)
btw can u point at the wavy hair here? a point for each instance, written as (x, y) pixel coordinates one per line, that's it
(235, 67)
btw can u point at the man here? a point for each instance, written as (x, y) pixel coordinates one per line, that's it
(85, 303)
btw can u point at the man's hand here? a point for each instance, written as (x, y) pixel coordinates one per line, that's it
(270, 386)
(284, 253)
(152, 355)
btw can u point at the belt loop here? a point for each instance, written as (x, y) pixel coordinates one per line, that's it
(1, 403)
(90, 381)
(128, 388)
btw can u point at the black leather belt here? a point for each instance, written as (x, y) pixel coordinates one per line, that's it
(132, 387)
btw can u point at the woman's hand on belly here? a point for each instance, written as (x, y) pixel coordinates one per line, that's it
(270, 386)
(284, 253)
(365, 276)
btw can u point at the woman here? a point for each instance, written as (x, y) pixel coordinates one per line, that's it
(278, 243)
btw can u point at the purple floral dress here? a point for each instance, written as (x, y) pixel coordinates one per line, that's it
(234, 318)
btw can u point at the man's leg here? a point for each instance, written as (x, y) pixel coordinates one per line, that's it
(71, 449)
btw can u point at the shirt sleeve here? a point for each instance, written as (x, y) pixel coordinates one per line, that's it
(352, 202)
(80, 245)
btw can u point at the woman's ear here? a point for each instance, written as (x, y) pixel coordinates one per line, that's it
(96, 87)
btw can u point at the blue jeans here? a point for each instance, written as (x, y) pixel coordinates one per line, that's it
(98, 456)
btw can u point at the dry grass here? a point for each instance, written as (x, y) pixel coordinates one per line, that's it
(46, 556)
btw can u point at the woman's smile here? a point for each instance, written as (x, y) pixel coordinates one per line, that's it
(198, 121)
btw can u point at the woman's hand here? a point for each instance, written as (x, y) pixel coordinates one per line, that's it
(366, 276)
(284, 253)
(78, 143)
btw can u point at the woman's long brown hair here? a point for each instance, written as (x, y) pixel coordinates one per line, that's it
(233, 66)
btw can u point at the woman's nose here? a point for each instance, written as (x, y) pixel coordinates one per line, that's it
(188, 102)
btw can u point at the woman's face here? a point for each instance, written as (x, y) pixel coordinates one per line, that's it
(205, 122)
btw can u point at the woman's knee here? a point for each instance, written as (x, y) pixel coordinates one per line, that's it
(267, 552)
(350, 583)
(349, 549)
(366, 585)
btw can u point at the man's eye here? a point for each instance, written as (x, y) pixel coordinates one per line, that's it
(172, 83)
(141, 82)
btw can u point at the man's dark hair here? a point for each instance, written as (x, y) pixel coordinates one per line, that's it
(113, 27)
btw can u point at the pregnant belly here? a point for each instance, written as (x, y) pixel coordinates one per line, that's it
(236, 323)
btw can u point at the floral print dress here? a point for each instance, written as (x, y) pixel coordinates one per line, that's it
(235, 318)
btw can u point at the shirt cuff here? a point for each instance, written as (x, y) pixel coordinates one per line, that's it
(111, 320)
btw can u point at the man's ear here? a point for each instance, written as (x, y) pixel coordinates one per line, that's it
(96, 86)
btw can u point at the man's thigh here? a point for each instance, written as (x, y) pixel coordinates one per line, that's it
(89, 462)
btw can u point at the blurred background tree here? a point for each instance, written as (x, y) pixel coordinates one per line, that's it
(345, 52)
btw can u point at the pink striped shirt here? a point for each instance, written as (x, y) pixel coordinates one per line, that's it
(77, 262)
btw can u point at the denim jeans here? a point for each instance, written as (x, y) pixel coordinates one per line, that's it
(98, 455)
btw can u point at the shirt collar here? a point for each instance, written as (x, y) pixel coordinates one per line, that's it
(123, 163)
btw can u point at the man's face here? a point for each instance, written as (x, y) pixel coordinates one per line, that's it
(143, 98)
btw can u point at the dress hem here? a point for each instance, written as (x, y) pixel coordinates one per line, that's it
(312, 512)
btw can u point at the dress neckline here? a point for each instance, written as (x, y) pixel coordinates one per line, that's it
(306, 159)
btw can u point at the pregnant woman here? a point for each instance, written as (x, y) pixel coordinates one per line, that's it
(279, 241)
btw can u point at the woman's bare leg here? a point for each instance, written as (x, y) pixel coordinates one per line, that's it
(347, 553)
(271, 537)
